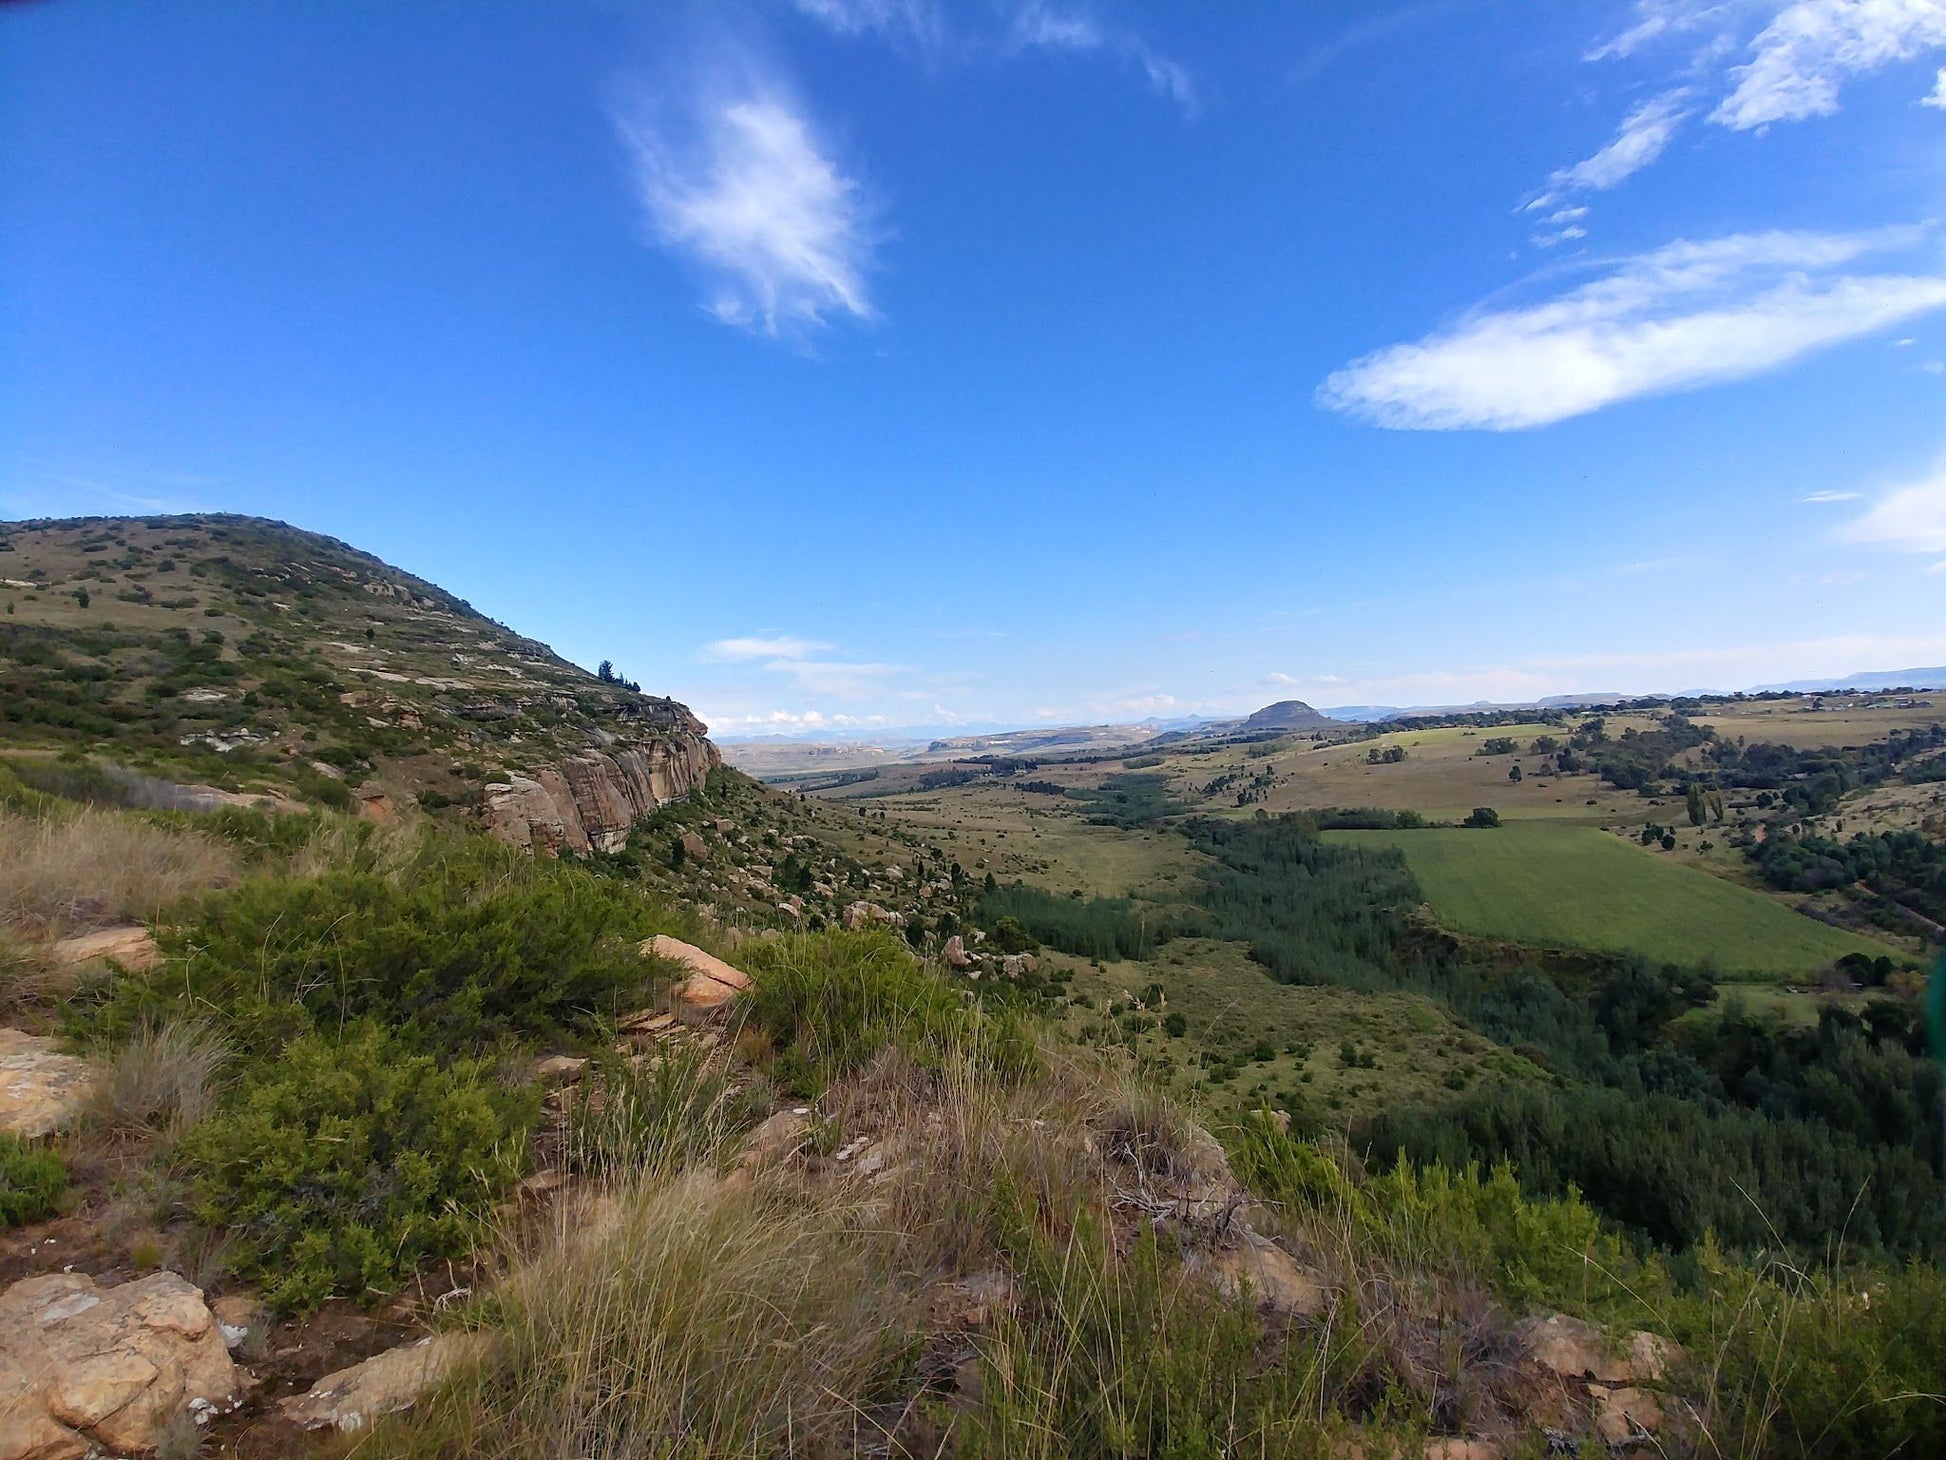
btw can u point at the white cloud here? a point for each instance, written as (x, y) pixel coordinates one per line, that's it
(731, 651)
(1645, 133)
(1937, 96)
(1688, 314)
(1832, 497)
(1039, 26)
(753, 200)
(1911, 519)
(1803, 56)
(915, 20)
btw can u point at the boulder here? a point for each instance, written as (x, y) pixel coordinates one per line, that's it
(1573, 1350)
(352, 1398)
(1625, 1414)
(89, 1368)
(1651, 1356)
(1014, 965)
(694, 848)
(41, 1089)
(1269, 1274)
(864, 914)
(133, 948)
(711, 981)
(776, 1139)
(954, 954)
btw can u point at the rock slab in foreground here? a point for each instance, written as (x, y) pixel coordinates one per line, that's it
(384, 1384)
(41, 1089)
(85, 1368)
(711, 981)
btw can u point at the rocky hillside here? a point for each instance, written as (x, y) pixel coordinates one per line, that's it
(257, 658)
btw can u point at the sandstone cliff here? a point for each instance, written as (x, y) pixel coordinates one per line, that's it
(588, 802)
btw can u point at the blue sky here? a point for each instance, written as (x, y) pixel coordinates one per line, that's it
(853, 364)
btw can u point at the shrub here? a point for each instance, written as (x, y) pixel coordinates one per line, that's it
(345, 1163)
(32, 1181)
(467, 944)
(832, 1001)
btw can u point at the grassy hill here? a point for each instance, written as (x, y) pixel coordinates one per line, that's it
(1563, 886)
(253, 656)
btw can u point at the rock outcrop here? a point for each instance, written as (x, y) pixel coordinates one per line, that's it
(132, 947)
(41, 1089)
(385, 1384)
(711, 981)
(589, 802)
(85, 1369)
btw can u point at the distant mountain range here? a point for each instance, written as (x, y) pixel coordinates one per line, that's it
(775, 754)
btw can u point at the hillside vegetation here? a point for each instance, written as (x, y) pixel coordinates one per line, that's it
(1101, 1108)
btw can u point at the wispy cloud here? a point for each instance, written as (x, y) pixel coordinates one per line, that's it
(918, 21)
(1645, 133)
(1832, 497)
(1010, 28)
(1039, 26)
(1910, 518)
(1936, 98)
(1800, 60)
(1685, 315)
(801, 661)
(743, 189)
(734, 651)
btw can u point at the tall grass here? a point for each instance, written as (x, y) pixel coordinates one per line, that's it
(693, 1318)
(165, 1078)
(66, 873)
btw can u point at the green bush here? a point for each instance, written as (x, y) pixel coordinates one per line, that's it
(1100, 927)
(831, 1001)
(32, 1181)
(470, 944)
(345, 1163)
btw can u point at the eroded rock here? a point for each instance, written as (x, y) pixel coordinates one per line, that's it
(589, 802)
(1573, 1350)
(84, 1367)
(41, 1089)
(131, 947)
(352, 1398)
(1625, 1414)
(1258, 1266)
(711, 981)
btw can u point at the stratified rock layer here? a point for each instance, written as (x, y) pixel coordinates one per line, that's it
(589, 802)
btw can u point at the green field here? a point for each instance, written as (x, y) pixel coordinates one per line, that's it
(1557, 886)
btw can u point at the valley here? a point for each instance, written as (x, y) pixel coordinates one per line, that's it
(378, 975)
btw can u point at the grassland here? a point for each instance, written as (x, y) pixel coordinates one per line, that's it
(1249, 1042)
(1556, 886)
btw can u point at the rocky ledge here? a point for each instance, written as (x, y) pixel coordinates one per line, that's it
(588, 802)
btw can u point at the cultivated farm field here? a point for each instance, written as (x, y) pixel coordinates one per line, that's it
(1564, 886)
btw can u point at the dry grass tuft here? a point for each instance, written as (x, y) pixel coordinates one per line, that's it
(164, 1079)
(680, 1317)
(89, 869)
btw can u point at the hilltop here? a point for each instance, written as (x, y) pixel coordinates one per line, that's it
(260, 659)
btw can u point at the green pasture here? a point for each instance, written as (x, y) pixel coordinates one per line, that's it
(1561, 886)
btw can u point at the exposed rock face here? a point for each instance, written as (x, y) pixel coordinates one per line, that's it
(589, 802)
(352, 1398)
(41, 1089)
(711, 981)
(133, 948)
(84, 1368)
